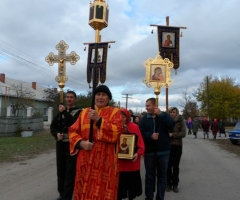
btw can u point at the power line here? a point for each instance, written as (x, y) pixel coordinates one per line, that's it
(15, 57)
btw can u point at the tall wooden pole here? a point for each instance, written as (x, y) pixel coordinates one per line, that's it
(208, 100)
(167, 24)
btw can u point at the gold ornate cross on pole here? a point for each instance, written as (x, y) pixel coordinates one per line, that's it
(61, 59)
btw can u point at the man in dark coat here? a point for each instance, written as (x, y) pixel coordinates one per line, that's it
(154, 128)
(66, 164)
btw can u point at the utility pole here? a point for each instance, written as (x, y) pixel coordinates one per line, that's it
(127, 98)
(208, 100)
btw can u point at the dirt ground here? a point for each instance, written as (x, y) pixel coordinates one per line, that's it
(228, 146)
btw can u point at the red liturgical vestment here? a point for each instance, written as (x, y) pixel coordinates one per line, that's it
(97, 169)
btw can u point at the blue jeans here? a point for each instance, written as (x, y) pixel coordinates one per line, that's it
(152, 165)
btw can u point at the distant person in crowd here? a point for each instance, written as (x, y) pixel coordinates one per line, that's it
(66, 164)
(205, 127)
(195, 126)
(132, 116)
(214, 128)
(176, 135)
(97, 161)
(189, 126)
(137, 120)
(155, 128)
(158, 74)
(168, 42)
(130, 182)
(222, 128)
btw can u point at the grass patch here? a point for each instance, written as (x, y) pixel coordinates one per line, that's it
(14, 149)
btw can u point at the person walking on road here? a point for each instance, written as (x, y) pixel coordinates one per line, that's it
(195, 126)
(154, 127)
(215, 128)
(205, 127)
(189, 126)
(222, 128)
(176, 136)
(66, 164)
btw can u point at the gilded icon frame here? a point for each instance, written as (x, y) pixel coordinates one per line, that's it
(130, 141)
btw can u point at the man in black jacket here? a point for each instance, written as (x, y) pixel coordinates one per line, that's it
(66, 164)
(154, 128)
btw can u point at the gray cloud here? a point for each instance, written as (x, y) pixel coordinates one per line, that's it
(210, 44)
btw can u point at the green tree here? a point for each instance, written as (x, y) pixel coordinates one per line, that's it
(219, 97)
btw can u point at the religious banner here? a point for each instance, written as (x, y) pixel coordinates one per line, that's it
(168, 43)
(101, 67)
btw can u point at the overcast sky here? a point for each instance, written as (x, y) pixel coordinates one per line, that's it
(210, 45)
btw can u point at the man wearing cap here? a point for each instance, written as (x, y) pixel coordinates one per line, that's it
(97, 161)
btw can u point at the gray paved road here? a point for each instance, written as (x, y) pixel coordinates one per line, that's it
(207, 173)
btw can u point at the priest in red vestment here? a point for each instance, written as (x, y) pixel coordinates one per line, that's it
(97, 161)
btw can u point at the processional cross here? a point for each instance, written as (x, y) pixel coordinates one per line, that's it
(61, 59)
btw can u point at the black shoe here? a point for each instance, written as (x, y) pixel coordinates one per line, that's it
(59, 198)
(175, 189)
(168, 188)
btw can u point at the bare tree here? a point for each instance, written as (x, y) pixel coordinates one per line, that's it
(22, 98)
(190, 107)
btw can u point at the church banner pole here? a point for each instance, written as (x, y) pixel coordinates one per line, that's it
(98, 20)
(93, 90)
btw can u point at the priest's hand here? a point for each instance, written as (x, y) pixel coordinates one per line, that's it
(93, 115)
(135, 156)
(87, 145)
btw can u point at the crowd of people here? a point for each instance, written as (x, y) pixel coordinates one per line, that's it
(216, 126)
(90, 168)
